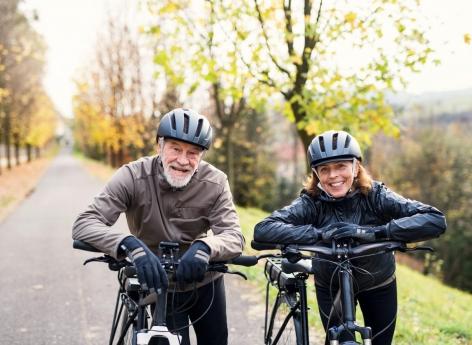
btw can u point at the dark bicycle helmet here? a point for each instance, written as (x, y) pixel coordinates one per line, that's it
(186, 125)
(333, 146)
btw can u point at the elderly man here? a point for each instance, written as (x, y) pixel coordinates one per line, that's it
(173, 196)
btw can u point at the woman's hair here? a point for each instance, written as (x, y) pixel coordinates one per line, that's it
(363, 182)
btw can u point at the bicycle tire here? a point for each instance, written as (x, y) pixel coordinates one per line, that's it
(285, 327)
(125, 327)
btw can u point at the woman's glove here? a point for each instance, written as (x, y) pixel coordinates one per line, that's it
(360, 232)
(327, 233)
(151, 275)
(194, 263)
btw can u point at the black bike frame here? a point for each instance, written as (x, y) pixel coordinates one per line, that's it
(288, 290)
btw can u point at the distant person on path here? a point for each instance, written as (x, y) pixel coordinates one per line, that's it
(173, 196)
(342, 202)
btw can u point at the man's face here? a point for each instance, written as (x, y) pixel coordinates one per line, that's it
(180, 161)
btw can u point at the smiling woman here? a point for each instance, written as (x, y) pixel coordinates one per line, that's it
(343, 206)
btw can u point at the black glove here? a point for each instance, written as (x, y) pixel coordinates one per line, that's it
(362, 233)
(151, 275)
(194, 263)
(326, 234)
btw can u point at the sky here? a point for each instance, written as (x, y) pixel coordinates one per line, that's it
(70, 28)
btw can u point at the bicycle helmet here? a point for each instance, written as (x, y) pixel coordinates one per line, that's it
(186, 125)
(333, 146)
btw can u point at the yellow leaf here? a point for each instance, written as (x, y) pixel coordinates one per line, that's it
(350, 17)
(312, 128)
(467, 38)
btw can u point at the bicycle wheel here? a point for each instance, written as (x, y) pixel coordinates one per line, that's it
(123, 325)
(284, 322)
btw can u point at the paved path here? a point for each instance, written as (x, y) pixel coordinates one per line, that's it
(46, 295)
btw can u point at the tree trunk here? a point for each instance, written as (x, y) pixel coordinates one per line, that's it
(296, 170)
(230, 156)
(7, 139)
(28, 152)
(16, 143)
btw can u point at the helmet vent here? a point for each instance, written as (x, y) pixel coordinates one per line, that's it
(322, 145)
(174, 124)
(186, 123)
(335, 141)
(199, 128)
(348, 140)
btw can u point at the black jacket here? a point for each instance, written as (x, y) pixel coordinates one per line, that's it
(407, 220)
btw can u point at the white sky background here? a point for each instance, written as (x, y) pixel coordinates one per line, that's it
(70, 28)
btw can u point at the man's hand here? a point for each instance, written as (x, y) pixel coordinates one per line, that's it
(194, 263)
(151, 275)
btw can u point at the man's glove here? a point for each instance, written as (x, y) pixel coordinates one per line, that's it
(194, 263)
(361, 232)
(151, 274)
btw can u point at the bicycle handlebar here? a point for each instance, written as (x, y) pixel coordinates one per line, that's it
(337, 249)
(78, 244)
(243, 260)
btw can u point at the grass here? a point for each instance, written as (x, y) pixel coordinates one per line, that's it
(429, 312)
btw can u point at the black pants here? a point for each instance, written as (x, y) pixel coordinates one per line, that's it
(379, 308)
(209, 325)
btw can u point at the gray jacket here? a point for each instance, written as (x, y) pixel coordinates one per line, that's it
(157, 212)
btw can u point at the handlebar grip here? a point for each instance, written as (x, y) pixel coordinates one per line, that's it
(265, 246)
(78, 244)
(244, 260)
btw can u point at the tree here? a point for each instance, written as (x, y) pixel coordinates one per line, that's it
(293, 48)
(21, 67)
(192, 53)
(115, 99)
(432, 163)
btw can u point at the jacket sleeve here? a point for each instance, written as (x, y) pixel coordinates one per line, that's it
(228, 240)
(291, 224)
(408, 220)
(93, 225)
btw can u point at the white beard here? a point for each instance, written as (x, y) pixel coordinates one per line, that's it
(174, 181)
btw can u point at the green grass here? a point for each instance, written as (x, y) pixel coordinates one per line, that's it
(429, 312)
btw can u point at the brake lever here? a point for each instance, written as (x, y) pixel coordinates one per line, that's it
(237, 273)
(424, 248)
(224, 269)
(97, 259)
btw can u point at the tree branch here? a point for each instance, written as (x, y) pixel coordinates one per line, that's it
(266, 40)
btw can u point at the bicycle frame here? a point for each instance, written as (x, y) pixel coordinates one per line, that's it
(133, 300)
(291, 291)
(343, 254)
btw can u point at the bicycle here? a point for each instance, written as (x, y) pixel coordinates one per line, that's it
(135, 321)
(288, 272)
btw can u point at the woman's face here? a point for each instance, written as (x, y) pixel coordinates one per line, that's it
(336, 178)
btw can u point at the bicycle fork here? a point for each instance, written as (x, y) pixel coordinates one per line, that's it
(348, 313)
(159, 328)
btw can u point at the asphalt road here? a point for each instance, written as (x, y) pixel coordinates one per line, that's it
(46, 295)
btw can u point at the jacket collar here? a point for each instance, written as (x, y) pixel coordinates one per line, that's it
(324, 196)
